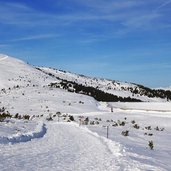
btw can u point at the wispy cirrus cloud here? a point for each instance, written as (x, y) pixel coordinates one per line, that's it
(109, 6)
(123, 16)
(36, 37)
(121, 11)
(167, 2)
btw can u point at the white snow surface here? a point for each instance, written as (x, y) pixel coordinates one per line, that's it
(17, 131)
(109, 86)
(43, 145)
(15, 72)
(144, 106)
(67, 147)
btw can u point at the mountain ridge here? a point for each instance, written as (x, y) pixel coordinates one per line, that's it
(15, 72)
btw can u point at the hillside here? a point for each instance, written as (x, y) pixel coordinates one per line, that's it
(22, 84)
(56, 120)
(16, 73)
(123, 91)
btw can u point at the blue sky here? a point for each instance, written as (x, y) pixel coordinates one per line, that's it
(127, 40)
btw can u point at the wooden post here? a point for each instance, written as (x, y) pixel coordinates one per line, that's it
(107, 131)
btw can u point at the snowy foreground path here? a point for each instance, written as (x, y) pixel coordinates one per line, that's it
(64, 147)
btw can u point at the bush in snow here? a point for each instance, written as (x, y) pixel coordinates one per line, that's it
(4, 115)
(97, 122)
(148, 127)
(125, 133)
(136, 126)
(159, 129)
(84, 121)
(133, 122)
(151, 145)
(2, 109)
(49, 118)
(17, 116)
(114, 124)
(92, 123)
(27, 117)
(121, 123)
(71, 118)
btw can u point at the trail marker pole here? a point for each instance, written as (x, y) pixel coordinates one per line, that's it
(107, 131)
(111, 109)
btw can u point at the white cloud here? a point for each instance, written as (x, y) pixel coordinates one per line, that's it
(36, 37)
(167, 2)
(125, 15)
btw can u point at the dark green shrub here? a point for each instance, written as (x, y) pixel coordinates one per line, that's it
(125, 133)
(136, 126)
(26, 117)
(71, 118)
(4, 115)
(151, 145)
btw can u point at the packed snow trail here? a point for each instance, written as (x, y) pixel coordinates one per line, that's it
(65, 147)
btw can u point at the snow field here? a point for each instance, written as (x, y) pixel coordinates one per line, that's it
(45, 101)
(65, 147)
(13, 131)
(144, 106)
(136, 143)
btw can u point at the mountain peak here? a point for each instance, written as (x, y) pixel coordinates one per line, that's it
(3, 56)
(15, 72)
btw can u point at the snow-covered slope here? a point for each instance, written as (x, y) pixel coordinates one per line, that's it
(65, 143)
(120, 89)
(24, 90)
(114, 87)
(15, 72)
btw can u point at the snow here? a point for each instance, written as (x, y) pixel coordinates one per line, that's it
(38, 144)
(136, 144)
(144, 106)
(65, 147)
(109, 86)
(14, 131)
(15, 72)
(43, 101)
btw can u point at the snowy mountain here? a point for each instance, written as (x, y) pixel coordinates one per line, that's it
(121, 91)
(56, 120)
(15, 72)
(20, 83)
